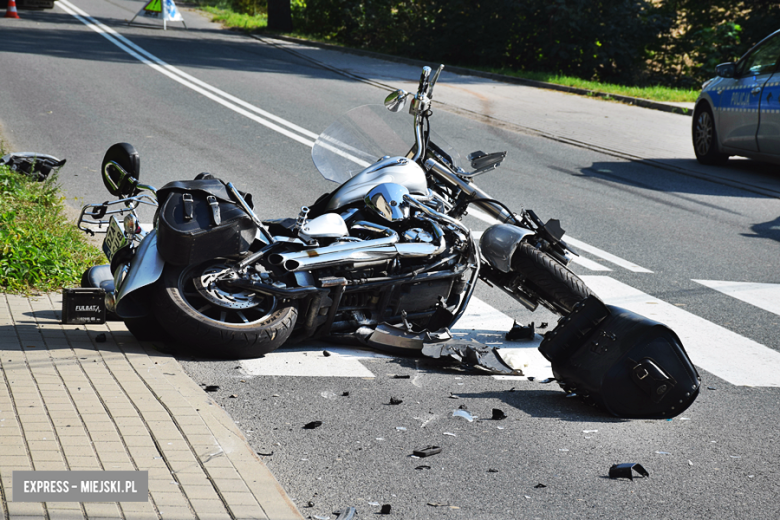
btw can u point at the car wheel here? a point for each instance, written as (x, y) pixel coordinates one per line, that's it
(705, 137)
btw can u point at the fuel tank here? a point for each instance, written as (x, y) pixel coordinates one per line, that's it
(399, 170)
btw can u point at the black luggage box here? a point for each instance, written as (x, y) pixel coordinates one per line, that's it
(627, 364)
(83, 305)
(198, 221)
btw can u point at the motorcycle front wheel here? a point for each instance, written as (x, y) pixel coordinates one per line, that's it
(558, 286)
(215, 322)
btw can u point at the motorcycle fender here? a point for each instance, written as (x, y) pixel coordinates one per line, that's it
(499, 242)
(145, 269)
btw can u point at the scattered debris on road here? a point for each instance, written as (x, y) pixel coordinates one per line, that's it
(471, 354)
(464, 414)
(312, 425)
(36, 166)
(626, 471)
(498, 414)
(427, 452)
(519, 332)
(395, 401)
(211, 388)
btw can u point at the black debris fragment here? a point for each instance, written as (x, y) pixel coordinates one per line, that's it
(36, 166)
(265, 454)
(543, 325)
(472, 354)
(423, 467)
(427, 452)
(211, 388)
(513, 388)
(312, 425)
(100, 338)
(518, 332)
(385, 509)
(345, 394)
(625, 470)
(498, 414)
(233, 396)
(309, 504)
(539, 486)
(463, 407)
(401, 376)
(326, 353)
(711, 388)
(491, 470)
(395, 400)
(453, 396)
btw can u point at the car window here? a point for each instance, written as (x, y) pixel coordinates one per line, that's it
(762, 60)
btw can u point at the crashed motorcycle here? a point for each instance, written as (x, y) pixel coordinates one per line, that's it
(383, 260)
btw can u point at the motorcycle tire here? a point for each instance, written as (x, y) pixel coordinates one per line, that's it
(216, 323)
(554, 282)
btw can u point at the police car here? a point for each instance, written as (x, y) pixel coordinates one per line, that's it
(738, 112)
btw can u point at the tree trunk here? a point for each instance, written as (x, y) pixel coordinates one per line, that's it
(279, 15)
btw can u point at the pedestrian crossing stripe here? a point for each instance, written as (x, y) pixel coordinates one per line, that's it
(154, 6)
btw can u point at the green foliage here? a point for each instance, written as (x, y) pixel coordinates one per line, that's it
(39, 249)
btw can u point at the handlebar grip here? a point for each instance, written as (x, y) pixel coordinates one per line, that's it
(426, 73)
(434, 80)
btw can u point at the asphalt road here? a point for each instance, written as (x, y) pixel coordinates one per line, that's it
(68, 91)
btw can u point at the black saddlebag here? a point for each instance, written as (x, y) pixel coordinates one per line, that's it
(622, 362)
(199, 221)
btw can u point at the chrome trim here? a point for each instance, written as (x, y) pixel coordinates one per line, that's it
(241, 202)
(145, 269)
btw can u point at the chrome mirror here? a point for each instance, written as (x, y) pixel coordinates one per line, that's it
(396, 100)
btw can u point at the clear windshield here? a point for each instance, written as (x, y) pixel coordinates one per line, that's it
(363, 135)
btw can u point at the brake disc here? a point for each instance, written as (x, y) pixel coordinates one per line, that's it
(206, 285)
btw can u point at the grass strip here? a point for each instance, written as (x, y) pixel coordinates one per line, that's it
(40, 250)
(224, 14)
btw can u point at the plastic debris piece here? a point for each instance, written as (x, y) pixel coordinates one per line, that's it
(518, 332)
(563, 449)
(395, 400)
(464, 414)
(347, 514)
(345, 394)
(36, 166)
(540, 485)
(321, 517)
(385, 509)
(543, 325)
(450, 434)
(233, 396)
(547, 381)
(326, 353)
(380, 438)
(625, 470)
(401, 376)
(527, 497)
(735, 456)
(400, 428)
(690, 463)
(211, 388)
(100, 338)
(264, 454)
(685, 418)
(275, 395)
(453, 396)
(498, 414)
(463, 407)
(424, 466)
(373, 503)
(663, 453)
(327, 394)
(500, 427)
(491, 470)
(427, 452)
(711, 388)
(312, 425)
(471, 354)
(590, 431)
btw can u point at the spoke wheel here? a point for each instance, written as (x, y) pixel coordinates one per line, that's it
(220, 322)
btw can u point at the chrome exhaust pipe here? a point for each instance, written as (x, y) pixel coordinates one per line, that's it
(390, 238)
(367, 255)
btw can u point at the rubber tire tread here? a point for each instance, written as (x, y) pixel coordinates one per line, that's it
(194, 333)
(554, 282)
(713, 157)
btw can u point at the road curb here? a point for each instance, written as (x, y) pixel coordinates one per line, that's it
(463, 71)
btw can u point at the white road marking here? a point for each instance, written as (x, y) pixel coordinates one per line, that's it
(310, 361)
(762, 295)
(609, 257)
(726, 354)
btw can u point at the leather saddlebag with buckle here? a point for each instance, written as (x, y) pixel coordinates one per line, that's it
(622, 362)
(198, 221)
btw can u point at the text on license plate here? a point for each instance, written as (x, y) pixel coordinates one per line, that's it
(115, 239)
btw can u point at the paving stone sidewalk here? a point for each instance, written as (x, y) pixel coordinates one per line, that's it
(69, 401)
